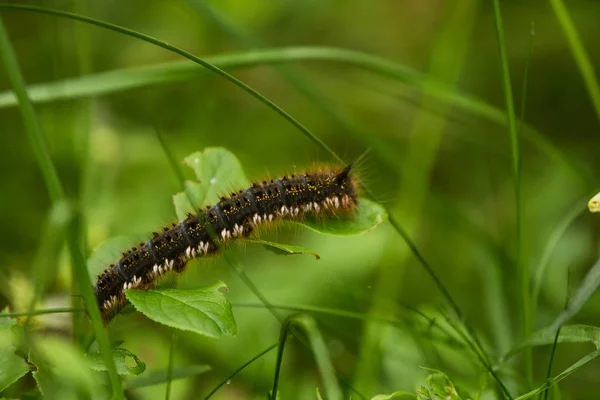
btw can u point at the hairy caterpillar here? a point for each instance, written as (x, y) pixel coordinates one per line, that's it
(288, 198)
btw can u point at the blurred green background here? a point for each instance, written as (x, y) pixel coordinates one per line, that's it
(442, 168)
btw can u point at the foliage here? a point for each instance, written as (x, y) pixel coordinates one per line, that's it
(482, 251)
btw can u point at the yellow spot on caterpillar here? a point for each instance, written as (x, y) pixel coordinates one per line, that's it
(594, 204)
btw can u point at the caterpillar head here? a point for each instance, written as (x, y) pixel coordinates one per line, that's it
(347, 182)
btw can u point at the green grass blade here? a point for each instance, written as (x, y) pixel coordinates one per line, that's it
(82, 125)
(54, 187)
(555, 236)
(240, 369)
(431, 322)
(301, 84)
(321, 355)
(32, 127)
(586, 289)
(574, 367)
(581, 56)
(418, 161)
(285, 326)
(551, 362)
(46, 259)
(170, 366)
(42, 312)
(521, 267)
(320, 352)
(130, 78)
(117, 80)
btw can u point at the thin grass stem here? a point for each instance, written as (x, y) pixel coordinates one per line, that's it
(170, 365)
(521, 267)
(237, 371)
(42, 312)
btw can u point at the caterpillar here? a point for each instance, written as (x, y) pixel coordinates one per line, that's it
(236, 216)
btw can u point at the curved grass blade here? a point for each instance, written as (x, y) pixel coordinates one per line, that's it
(582, 58)
(240, 369)
(320, 353)
(521, 267)
(129, 78)
(568, 334)
(585, 290)
(551, 243)
(170, 366)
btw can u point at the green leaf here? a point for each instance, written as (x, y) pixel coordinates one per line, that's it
(580, 297)
(437, 387)
(204, 311)
(395, 395)
(12, 367)
(152, 378)
(367, 216)
(284, 249)
(126, 362)
(218, 171)
(57, 358)
(41, 374)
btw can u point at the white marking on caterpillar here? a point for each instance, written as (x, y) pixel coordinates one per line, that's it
(336, 201)
(135, 282)
(284, 210)
(238, 230)
(316, 206)
(203, 248)
(270, 217)
(345, 200)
